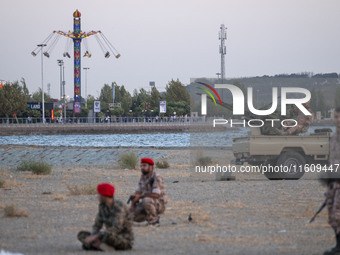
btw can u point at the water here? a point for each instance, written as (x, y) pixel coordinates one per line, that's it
(219, 139)
(101, 140)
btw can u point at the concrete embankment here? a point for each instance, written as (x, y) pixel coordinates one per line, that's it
(12, 155)
(51, 129)
(118, 128)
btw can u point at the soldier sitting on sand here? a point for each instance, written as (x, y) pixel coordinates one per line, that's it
(117, 220)
(149, 199)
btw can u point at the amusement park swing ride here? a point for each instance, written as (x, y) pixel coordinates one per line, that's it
(77, 36)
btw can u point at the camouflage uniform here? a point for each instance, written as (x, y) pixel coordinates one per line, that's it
(333, 192)
(149, 208)
(303, 122)
(118, 223)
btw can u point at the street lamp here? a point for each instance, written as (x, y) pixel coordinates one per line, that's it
(60, 64)
(218, 75)
(42, 80)
(86, 68)
(62, 86)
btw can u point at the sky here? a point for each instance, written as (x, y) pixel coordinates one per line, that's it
(160, 40)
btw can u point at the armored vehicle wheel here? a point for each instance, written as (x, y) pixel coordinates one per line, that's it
(272, 176)
(292, 164)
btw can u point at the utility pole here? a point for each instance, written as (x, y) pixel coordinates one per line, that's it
(64, 94)
(218, 76)
(86, 68)
(223, 37)
(60, 64)
(42, 81)
(62, 86)
(114, 84)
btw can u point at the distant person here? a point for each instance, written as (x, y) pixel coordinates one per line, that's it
(333, 184)
(150, 198)
(116, 218)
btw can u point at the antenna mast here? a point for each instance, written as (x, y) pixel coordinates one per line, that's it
(222, 37)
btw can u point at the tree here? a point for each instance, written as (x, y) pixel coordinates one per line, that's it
(84, 112)
(313, 101)
(90, 100)
(25, 90)
(337, 97)
(139, 101)
(321, 102)
(176, 91)
(177, 97)
(12, 100)
(181, 108)
(155, 98)
(105, 97)
(37, 96)
(122, 96)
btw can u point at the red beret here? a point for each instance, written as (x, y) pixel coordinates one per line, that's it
(106, 189)
(147, 160)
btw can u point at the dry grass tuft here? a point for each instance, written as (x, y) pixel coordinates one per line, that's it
(82, 189)
(36, 167)
(162, 164)
(14, 211)
(128, 160)
(10, 183)
(59, 197)
(2, 183)
(202, 159)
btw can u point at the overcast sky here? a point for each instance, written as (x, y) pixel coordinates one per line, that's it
(163, 40)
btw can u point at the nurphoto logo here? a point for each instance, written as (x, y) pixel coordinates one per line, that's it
(238, 106)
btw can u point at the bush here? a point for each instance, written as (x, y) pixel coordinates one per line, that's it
(36, 167)
(82, 189)
(162, 164)
(13, 211)
(204, 161)
(24, 166)
(2, 183)
(128, 160)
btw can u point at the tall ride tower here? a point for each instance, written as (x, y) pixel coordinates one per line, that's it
(77, 36)
(76, 46)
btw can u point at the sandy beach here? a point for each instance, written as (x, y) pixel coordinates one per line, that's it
(250, 215)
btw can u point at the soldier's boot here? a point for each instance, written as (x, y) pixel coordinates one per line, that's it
(336, 249)
(155, 223)
(106, 247)
(81, 237)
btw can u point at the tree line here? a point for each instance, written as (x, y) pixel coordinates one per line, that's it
(14, 98)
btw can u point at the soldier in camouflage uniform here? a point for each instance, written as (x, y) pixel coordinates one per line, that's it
(303, 121)
(116, 218)
(333, 181)
(149, 199)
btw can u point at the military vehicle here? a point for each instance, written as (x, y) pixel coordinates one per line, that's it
(267, 146)
(294, 152)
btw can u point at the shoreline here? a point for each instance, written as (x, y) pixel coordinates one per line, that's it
(145, 128)
(47, 129)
